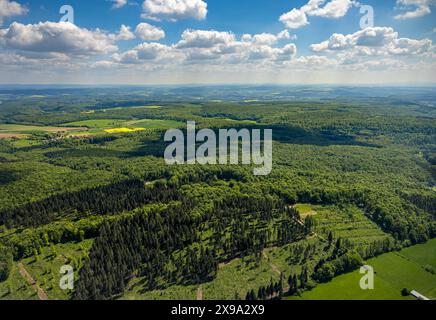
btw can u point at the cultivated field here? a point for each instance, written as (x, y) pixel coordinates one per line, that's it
(21, 131)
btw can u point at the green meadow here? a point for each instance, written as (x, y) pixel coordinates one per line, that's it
(100, 125)
(393, 272)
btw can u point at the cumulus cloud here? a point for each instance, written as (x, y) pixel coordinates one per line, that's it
(333, 9)
(315, 61)
(117, 4)
(103, 64)
(294, 19)
(285, 54)
(224, 46)
(124, 34)
(57, 37)
(174, 10)
(285, 35)
(377, 42)
(268, 38)
(148, 32)
(216, 47)
(144, 52)
(369, 37)
(405, 46)
(414, 8)
(204, 39)
(10, 9)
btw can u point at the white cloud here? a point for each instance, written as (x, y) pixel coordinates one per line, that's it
(148, 32)
(214, 47)
(144, 52)
(124, 34)
(414, 8)
(117, 4)
(227, 49)
(405, 46)
(333, 9)
(374, 37)
(315, 62)
(9, 9)
(59, 37)
(147, 51)
(260, 39)
(264, 39)
(268, 38)
(294, 19)
(285, 35)
(286, 53)
(104, 64)
(204, 39)
(369, 37)
(376, 43)
(174, 9)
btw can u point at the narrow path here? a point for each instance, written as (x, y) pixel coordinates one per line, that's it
(200, 293)
(272, 265)
(26, 275)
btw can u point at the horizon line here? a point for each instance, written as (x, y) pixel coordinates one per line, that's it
(415, 84)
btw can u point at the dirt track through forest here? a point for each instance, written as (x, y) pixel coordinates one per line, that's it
(26, 275)
(200, 293)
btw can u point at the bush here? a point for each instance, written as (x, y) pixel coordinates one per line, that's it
(343, 264)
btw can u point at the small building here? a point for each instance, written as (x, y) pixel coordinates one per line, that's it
(418, 296)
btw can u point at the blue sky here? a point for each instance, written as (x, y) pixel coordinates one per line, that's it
(203, 41)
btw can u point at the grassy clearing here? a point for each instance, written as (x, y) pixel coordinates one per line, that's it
(347, 222)
(172, 293)
(305, 210)
(45, 271)
(156, 124)
(238, 277)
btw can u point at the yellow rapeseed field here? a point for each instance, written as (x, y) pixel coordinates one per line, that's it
(123, 130)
